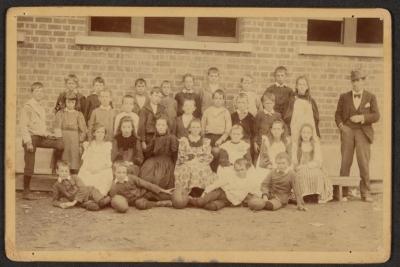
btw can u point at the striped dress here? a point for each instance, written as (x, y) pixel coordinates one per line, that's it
(312, 179)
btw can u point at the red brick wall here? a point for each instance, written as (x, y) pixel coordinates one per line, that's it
(49, 53)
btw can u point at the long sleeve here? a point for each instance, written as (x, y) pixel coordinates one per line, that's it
(88, 108)
(204, 119)
(287, 117)
(116, 123)
(257, 122)
(91, 124)
(228, 123)
(174, 148)
(264, 157)
(145, 184)
(58, 124)
(339, 111)
(142, 125)
(82, 127)
(138, 158)
(114, 151)
(266, 184)
(60, 104)
(24, 120)
(316, 116)
(374, 115)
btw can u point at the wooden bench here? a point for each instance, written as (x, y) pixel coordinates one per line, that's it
(340, 181)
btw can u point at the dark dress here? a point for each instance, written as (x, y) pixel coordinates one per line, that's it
(159, 167)
(80, 104)
(181, 96)
(248, 124)
(128, 149)
(283, 94)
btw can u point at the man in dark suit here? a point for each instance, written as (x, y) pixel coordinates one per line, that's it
(355, 113)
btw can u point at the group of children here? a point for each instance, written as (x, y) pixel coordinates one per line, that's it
(188, 149)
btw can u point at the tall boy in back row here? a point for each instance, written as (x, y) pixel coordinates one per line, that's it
(282, 92)
(355, 113)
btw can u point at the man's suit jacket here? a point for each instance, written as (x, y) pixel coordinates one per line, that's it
(368, 108)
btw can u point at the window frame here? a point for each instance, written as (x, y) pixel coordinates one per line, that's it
(189, 34)
(349, 35)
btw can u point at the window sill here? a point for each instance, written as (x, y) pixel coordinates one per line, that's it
(162, 43)
(341, 51)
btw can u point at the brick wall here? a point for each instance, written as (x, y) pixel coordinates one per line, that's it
(49, 53)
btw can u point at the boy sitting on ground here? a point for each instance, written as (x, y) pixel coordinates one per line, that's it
(73, 189)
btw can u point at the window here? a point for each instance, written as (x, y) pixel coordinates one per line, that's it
(110, 24)
(159, 25)
(179, 28)
(346, 32)
(324, 30)
(220, 27)
(369, 31)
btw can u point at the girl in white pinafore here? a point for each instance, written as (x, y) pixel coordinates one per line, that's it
(302, 109)
(96, 168)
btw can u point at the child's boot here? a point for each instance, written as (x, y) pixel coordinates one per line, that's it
(91, 205)
(215, 205)
(104, 201)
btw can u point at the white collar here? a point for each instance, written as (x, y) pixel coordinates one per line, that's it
(60, 180)
(284, 172)
(359, 93)
(268, 112)
(105, 108)
(121, 182)
(186, 91)
(280, 85)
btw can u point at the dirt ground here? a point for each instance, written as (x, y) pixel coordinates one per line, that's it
(335, 226)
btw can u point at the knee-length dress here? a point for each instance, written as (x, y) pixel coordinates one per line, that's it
(193, 164)
(159, 167)
(73, 130)
(96, 168)
(312, 179)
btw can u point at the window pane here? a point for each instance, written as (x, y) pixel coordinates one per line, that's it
(369, 30)
(163, 25)
(324, 30)
(110, 24)
(220, 27)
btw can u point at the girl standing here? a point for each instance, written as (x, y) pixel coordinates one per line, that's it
(126, 146)
(70, 125)
(244, 118)
(71, 86)
(192, 169)
(272, 144)
(183, 121)
(311, 180)
(162, 150)
(96, 168)
(302, 109)
(188, 92)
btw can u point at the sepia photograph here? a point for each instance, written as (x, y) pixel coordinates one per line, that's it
(198, 134)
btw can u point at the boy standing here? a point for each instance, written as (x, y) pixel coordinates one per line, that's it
(213, 85)
(140, 97)
(148, 117)
(281, 91)
(34, 134)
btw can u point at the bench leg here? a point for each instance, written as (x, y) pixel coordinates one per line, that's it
(340, 192)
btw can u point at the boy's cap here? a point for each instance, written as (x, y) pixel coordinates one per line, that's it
(71, 95)
(356, 75)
